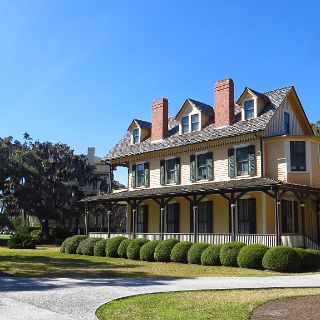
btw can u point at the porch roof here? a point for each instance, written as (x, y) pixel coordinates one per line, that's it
(221, 187)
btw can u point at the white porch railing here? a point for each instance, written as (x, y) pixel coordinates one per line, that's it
(270, 240)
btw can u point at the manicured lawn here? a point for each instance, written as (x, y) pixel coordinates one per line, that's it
(5, 236)
(218, 305)
(48, 261)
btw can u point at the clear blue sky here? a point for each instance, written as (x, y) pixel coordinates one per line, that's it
(77, 72)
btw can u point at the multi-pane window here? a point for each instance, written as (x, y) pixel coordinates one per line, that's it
(247, 216)
(185, 124)
(202, 167)
(195, 122)
(170, 171)
(173, 217)
(205, 214)
(140, 175)
(298, 155)
(135, 136)
(248, 109)
(289, 213)
(142, 219)
(286, 120)
(242, 161)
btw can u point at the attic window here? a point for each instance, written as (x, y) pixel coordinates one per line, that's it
(135, 136)
(195, 122)
(185, 124)
(249, 109)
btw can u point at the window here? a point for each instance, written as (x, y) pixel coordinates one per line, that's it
(201, 167)
(247, 216)
(142, 219)
(286, 119)
(173, 218)
(185, 124)
(135, 136)
(248, 109)
(289, 215)
(194, 122)
(242, 159)
(170, 171)
(140, 175)
(298, 155)
(205, 213)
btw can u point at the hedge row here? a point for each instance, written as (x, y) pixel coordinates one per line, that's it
(233, 254)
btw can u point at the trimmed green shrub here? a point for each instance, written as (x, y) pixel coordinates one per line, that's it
(194, 253)
(72, 245)
(113, 245)
(163, 250)
(229, 253)
(133, 250)
(211, 255)
(315, 255)
(99, 249)
(306, 258)
(122, 249)
(86, 246)
(282, 259)
(147, 250)
(179, 253)
(251, 256)
(64, 244)
(21, 241)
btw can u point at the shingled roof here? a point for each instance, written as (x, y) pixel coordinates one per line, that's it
(275, 97)
(205, 108)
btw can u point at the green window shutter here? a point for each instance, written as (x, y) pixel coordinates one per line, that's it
(176, 217)
(177, 171)
(252, 160)
(295, 212)
(231, 163)
(133, 176)
(209, 210)
(210, 165)
(193, 168)
(284, 212)
(252, 216)
(191, 218)
(145, 218)
(146, 174)
(162, 172)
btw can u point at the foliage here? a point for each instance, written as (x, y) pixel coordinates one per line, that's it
(113, 245)
(282, 259)
(163, 250)
(122, 249)
(316, 128)
(179, 253)
(306, 258)
(21, 241)
(99, 249)
(315, 256)
(38, 236)
(86, 246)
(64, 244)
(251, 256)
(194, 253)
(229, 253)
(58, 235)
(133, 250)
(211, 255)
(72, 245)
(148, 249)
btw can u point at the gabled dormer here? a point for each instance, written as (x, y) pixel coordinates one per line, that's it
(251, 103)
(139, 130)
(193, 116)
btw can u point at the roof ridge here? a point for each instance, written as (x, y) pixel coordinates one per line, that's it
(200, 102)
(286, 87)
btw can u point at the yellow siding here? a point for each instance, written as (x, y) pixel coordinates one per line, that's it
(275, 160)
(315, 160)
(299, 177)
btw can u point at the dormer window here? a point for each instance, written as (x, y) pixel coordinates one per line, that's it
(185, 124)
(135, 136)
(249, 109)
(195, 122)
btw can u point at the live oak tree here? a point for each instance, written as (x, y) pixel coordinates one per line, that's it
(316, 128)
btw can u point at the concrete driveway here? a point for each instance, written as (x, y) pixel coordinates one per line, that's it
(66, 299)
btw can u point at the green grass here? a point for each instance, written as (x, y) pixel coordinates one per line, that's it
(49, 262)
(4, 236)
(218, 305)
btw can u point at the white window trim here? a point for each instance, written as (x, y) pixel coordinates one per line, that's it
(196, 155)
(138, 163)
(235, 157)
(288, 157)
(255, 108)
(190, 124)
(165, 170)
(136, 127)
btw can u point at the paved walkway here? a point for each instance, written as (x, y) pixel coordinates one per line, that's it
(66, 299)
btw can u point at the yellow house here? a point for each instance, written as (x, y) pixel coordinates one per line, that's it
(245, 170)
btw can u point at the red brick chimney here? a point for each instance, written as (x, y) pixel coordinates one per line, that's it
(224, 102)
(159, 129)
